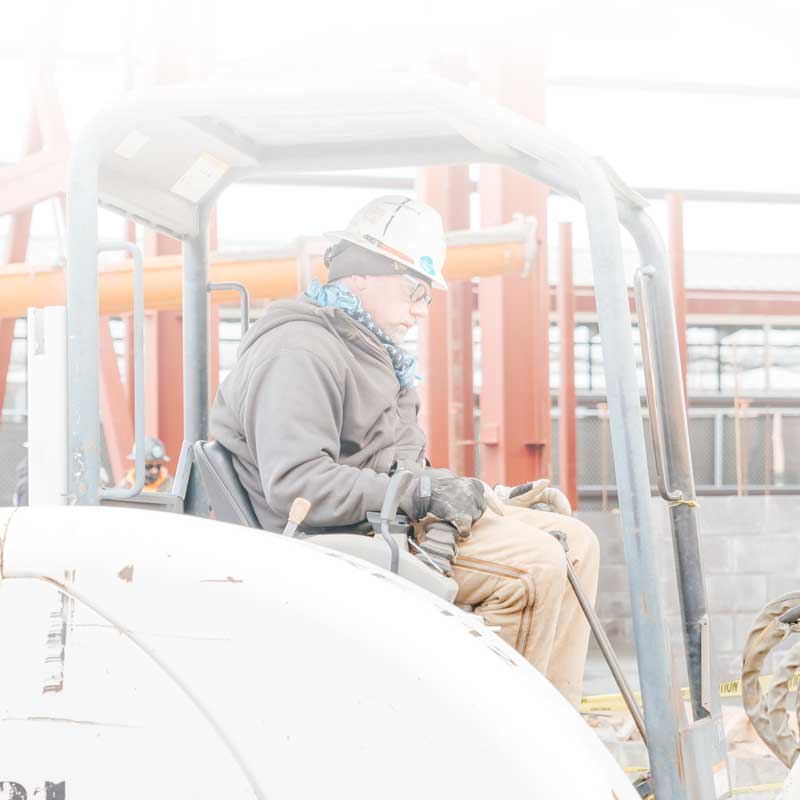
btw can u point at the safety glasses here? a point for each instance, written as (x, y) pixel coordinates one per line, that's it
(418, 291)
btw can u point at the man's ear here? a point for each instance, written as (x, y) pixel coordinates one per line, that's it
(359, 282)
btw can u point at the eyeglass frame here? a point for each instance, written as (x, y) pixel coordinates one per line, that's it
(414, 296)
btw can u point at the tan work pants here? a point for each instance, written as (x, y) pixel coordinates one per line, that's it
(514, 575)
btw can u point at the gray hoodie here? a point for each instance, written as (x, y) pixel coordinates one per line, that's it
(313, 409)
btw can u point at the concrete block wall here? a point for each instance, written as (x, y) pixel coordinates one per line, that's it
(751, 555)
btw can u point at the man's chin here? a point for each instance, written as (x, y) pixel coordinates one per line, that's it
(398, 334)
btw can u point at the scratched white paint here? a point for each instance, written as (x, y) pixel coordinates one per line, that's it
(268, 667)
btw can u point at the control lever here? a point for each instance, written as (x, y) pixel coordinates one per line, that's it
(396, 489)
(297, 513)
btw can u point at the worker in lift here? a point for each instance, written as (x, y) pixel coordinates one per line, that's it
(156, 474)
(321, 404)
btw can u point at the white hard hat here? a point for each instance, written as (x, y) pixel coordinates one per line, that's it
(403, 230)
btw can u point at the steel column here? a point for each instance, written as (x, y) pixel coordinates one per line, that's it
(129, 372)
(461, 396)
(667, 408)
(164, 360)
(164, 387)
(213, 344)
(432, 353)
(114, 412)
(663, 709)
(446, 399)
(6, 340)
(513, 311)
(213, 352)
(196, 362)
(677, 266)
(16, 251)
(195, 334)
(567, 446)
(83, 468)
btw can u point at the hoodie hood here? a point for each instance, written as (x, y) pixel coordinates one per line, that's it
(281, 312)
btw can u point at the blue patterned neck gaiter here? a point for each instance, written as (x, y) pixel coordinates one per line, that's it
(334, 295)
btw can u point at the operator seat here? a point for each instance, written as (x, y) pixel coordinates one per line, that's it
(227, 496)
(231, 503)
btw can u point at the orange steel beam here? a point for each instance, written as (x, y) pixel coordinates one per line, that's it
(676, 257)
(23, 285)
(515, 391)
(114, 412)
(567, 447)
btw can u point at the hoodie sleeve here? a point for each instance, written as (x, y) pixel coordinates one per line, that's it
(292, 418)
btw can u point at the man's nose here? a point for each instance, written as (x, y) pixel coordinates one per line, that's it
(419, 310)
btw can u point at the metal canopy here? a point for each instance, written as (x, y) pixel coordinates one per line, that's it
(164, 153)
(164, 158)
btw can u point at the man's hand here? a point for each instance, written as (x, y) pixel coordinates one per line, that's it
(536, 494)
(448, 497)
(439, 543)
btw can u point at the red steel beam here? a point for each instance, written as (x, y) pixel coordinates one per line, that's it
(16, 251)
(163, 385)
(515, 391)
(711, 303)
(446, 403)
(117, 422)
(164, 348)
(676, 258)
(567, 437)
(461, 394)
(6, 340)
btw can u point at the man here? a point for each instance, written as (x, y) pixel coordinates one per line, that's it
(321, 404)
(156, 474)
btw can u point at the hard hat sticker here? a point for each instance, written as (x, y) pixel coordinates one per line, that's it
(426, 262)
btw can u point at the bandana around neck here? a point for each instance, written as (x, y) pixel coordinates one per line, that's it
(334, 295)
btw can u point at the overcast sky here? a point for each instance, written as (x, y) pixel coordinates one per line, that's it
(690, 140)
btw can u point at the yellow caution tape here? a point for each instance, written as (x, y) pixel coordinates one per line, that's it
(756, 787)
(614, 702)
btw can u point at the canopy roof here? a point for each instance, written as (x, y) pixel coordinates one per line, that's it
(163, 154)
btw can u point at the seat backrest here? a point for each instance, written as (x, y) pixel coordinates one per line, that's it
(229, 499)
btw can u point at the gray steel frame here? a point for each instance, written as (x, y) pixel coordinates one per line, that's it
(682, 755)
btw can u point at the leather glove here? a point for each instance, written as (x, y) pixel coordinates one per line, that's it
(438, 542)
(450, 498)
(536, 494)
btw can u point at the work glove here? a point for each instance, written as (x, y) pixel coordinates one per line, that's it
(535, 494)
(437, 545)
(444, 495)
